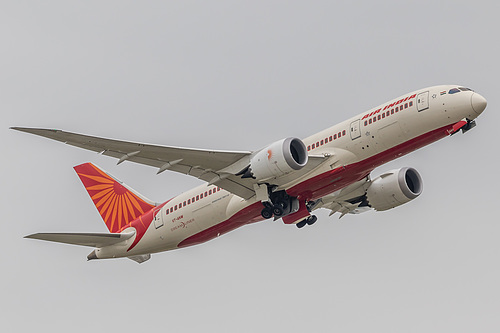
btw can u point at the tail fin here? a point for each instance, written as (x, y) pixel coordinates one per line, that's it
(117, 203)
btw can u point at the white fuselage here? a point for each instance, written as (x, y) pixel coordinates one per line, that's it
(359, 144)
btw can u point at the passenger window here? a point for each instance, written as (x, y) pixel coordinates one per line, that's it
(406, 105)
(321, 142)
(331, 138)
(411, 103)
(366, 122)
(343, 132)
(370, 121)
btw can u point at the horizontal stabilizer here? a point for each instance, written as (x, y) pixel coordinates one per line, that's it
(84, 239)
(141, 258)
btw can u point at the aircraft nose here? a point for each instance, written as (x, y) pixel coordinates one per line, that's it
(478, 103)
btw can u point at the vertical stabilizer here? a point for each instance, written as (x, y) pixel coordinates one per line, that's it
(117, 203)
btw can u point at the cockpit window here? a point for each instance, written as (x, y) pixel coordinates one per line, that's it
(453, 91)
(464, 89)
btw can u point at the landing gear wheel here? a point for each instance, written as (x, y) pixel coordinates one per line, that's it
(301, 223)
(278, 211)
(283, 204)
(311, 220)
(267, 213)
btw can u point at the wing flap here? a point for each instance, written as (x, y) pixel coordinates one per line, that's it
(83, 239)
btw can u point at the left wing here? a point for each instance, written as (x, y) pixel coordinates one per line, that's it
(216, 167)
(200, 163)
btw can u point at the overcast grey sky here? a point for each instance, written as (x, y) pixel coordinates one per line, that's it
(239, 75)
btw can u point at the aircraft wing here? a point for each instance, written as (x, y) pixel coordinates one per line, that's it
(200, 163)
(350, 199)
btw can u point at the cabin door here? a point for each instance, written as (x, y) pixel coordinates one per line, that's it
(423, 101)
(158, 219)
(355, 129)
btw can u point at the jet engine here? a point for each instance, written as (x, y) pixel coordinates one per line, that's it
(394, 188)
(278, 159)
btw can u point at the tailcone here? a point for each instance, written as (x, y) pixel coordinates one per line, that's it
(92, 256)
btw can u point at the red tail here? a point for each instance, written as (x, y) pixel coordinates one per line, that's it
(117, 204)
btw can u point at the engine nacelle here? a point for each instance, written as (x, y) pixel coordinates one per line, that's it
(278, 159)
(394, 188)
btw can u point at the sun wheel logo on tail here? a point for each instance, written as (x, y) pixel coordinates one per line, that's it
(117, 205)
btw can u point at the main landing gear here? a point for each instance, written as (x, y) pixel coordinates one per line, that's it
(310, 220)
(280, 204)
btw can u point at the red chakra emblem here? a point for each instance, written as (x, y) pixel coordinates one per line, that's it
(269, 154)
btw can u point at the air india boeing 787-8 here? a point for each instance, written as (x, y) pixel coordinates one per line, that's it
(289, 179)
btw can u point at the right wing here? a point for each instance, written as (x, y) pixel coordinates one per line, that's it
(349, 200)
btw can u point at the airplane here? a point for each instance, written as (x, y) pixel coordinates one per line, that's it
(288, 179)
